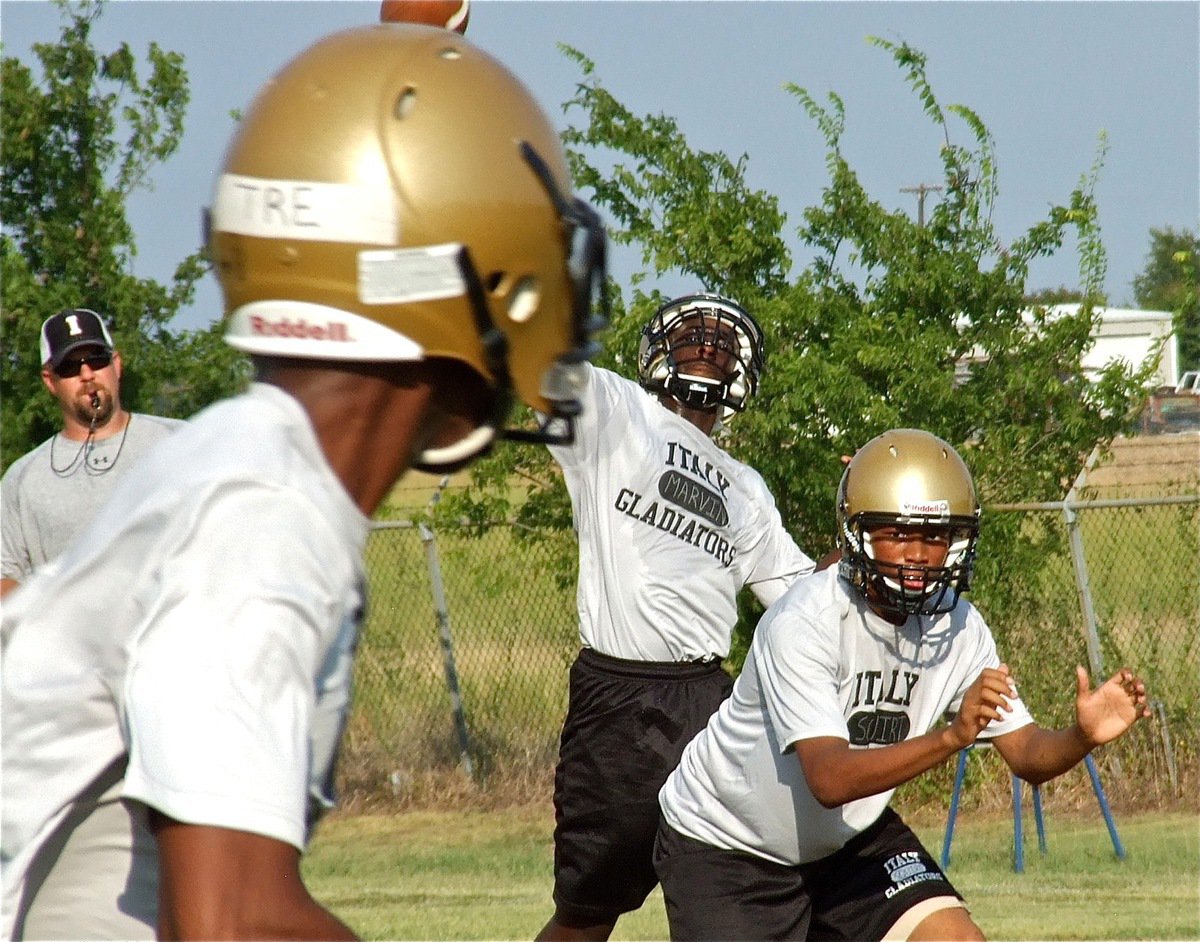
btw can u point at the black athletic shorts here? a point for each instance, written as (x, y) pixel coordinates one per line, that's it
(627, 723)
(857, 893)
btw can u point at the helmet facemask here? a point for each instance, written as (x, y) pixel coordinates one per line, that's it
(563, 379)
(908, 479)
(587, 267)
(670, 355)
(889, 585)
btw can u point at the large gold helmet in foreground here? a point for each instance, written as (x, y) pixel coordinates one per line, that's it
(394, 194)
(908, 477)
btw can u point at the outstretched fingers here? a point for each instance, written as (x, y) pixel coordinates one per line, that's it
(1108, 711)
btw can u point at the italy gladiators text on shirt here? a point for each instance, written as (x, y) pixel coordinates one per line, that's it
(683, 498)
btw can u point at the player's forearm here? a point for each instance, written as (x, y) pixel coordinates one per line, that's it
(837, 774)
(1046, 753)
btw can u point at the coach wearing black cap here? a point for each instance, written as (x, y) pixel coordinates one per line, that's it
(50, 494)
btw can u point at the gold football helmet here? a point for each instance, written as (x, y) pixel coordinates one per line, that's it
(908, 477)
(394, 194)
(664, 366)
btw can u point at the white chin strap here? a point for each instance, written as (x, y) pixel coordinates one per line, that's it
(466, 447)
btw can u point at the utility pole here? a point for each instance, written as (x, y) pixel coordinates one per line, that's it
(921, 189)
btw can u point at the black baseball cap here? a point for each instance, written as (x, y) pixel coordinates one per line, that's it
(71, 329)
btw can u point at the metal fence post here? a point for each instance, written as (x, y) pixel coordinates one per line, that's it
(1085, 592)
(1081, 572)
(445, 638)
(1068, 509)
(1168, 750)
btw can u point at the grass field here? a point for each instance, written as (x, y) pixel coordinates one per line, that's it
(487, 875)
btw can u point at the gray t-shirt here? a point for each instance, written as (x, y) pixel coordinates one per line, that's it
(50, 494)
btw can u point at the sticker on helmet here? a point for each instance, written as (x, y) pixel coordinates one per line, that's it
(925, 508)
(300, 329)
(400, 276)
(303, 210)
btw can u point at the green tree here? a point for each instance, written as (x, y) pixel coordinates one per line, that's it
(1050, 296)
(1171, 282)
(892, 324)
(76, 144)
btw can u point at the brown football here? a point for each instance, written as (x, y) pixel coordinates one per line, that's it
(450, 14)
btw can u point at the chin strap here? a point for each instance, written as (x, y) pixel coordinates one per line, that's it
(450, 458)
(697, 392)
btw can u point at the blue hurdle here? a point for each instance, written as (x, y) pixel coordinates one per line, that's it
(960, 774)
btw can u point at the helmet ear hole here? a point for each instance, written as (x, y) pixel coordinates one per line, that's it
(406, 102)
(525, 300)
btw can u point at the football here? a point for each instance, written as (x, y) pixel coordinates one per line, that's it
(450, 14)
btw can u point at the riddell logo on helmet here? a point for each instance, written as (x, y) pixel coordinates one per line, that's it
(925, 508)
(301, 329)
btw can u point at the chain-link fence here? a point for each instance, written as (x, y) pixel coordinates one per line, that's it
(463, 659)
(462, 666)
(1122, 590)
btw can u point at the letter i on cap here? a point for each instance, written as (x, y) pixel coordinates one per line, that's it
(71, 329)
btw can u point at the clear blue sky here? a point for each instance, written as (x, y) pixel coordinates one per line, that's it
(1047, 78)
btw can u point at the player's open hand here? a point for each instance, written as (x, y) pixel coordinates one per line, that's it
(982, 703)
(1108, 711)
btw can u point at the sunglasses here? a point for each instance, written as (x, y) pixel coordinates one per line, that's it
(95, 362)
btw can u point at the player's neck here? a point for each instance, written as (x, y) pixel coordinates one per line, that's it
(705, 421)
(883, 610)
(366, 425)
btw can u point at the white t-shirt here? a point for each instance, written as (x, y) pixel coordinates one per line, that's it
(202, 626)
(670, 529)
(821, 664)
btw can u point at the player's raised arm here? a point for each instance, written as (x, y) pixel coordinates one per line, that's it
(1101, 715)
